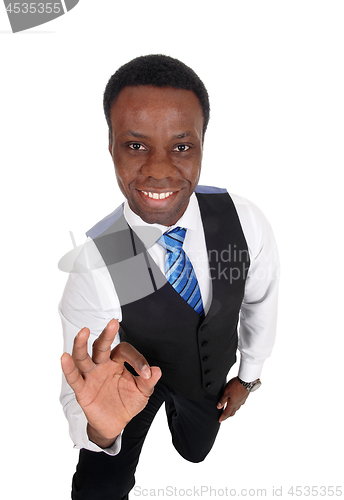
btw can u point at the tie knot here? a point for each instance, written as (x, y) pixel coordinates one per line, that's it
(173, 240)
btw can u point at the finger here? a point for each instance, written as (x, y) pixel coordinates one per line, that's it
(102, 346)
(229, 411)
(125, 352)
(73, 377)
(146, 386)
(82, 359)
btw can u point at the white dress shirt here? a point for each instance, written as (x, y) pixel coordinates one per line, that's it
(90, 298)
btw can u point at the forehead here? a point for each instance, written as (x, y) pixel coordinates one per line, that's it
(149, 106)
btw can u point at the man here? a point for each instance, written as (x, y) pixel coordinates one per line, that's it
(174, 266)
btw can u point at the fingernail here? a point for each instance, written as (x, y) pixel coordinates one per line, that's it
(146, 373)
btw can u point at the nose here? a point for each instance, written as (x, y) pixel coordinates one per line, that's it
(159, 165)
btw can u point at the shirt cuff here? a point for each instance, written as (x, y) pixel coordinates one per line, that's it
(249, 372)
(84, 441)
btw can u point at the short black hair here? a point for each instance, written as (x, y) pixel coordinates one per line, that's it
(158, 70)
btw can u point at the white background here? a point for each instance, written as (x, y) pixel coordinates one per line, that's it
(274, 72)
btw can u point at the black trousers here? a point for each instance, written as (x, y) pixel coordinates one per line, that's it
(193, 425)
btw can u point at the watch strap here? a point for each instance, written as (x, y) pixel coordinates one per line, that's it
(251, 386)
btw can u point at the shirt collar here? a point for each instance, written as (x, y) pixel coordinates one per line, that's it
(150, 233)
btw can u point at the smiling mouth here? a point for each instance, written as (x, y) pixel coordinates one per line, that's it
(157, 196)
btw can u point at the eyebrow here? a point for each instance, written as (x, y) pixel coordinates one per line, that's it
(135, 134)
(142, 136)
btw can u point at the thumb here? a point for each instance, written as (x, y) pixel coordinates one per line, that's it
(223, 400)
(225, 396)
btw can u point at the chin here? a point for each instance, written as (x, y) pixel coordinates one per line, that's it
(153, 218)
(166, 216)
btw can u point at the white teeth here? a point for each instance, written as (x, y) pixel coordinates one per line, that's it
(157, 196)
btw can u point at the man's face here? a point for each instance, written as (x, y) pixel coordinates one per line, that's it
(156, 147)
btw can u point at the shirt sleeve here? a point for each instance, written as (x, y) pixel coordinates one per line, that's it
(89, 299)
(258, 316)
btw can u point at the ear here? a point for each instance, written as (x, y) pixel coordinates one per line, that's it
(110, 142)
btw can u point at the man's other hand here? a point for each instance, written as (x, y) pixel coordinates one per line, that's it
(234, 395)
(108, 393)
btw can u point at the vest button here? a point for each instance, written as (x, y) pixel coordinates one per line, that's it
(204, 343)
(203, 327)
(206, 372)
(208, 385)
(205, 358)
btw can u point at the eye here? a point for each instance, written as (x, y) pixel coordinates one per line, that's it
(181, 148)
(136, 146)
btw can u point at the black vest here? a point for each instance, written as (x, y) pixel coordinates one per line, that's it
(194, 353)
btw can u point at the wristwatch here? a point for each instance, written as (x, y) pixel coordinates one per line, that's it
(251, 386)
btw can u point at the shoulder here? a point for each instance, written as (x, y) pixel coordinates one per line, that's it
(256, 227)
(249, 214)
(209, 190)
(105, 223)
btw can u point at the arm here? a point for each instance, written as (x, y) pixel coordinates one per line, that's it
(78, 425)
(258, 316)
(89, 299)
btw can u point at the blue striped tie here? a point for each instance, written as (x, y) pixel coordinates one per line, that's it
(178, 268)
